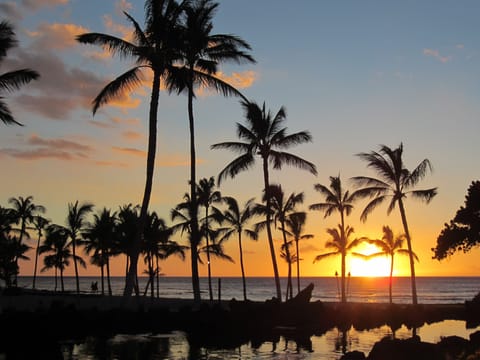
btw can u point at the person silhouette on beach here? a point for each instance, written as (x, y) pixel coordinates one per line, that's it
(94, 286)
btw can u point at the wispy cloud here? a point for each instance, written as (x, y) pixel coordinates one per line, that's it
(436, 54)
(132, 135)
(121, 6)
(129, 151)
(37, 4)
(111, 164)
(240, 80)
(11, 11)
(56, 36)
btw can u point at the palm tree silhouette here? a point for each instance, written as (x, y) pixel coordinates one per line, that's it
(294, 227)
(341, 245)
(76, 225)
(389, 245)
(207, 196)
(40, 224)
(126, 231)
(11, 80)
(264, 135)
(236, 220)
(281, 208)
(337, 199)
(99, 239)
(394, 182)
(155, 48)
(24, 211)
(10, 251)
(202, 52)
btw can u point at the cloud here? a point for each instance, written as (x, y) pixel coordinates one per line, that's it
(132, 135)
(240, 80)
(11, 11)
(37, 4)
(460, 46)
(39, 148)
(130, 151)
(121, 6)
(56, 108)
(56, 36)
(175, 160)
(436, 54)
(111, 164)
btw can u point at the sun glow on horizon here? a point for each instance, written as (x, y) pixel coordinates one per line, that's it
(374, 267)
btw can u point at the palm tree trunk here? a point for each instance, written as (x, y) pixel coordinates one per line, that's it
(77, 282)
(56, 279)
(410, 252)
(102, 278)
(344, 255)
(195, 233)
(241, 266)
(209, 265)
(158, 275)
(152, 147)
(109, 284)
(298, 266)
(289, 263)
(61, 280)
(36, 261)
(391, 280)
(269, 231)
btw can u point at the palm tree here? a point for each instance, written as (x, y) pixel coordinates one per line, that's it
(337, 199)
(100, 238)
(155, 48)
(389, 246)
(265, 135)
(11, 80)
(76, 226)
(341, 245)
(236, 220)
(39, 223)
(202, 52)
(24, 211)
(294, 227)
(281, 208)
(207, 196)
(394, 182)
(57, 246)
(10, 251)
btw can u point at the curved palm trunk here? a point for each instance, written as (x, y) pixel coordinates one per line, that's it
(289, 292)
(344, 255)
(269, 231)
(244, 283)
(209, 266)
(391, 280)
(195, 233)
(36, 261)
(75, 265)
(298, 266)
(410, 252)
(131, 278)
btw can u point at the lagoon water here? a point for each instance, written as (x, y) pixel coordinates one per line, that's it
(329, 345)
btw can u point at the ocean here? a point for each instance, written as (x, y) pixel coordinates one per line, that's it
(430, 290)
(330, 345)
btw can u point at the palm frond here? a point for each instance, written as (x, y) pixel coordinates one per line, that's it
(324, 256)
(242, 163)
(277, 159)
(424, 195)
(371, 206)
(112, 44)
(13, 80)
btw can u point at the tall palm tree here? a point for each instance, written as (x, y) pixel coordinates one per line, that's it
(207, 196)
(10, 251)
(395, 183)
(202, 53)
(389, 245)
(294, 227)
(40, 224)
(340, 245)
(155, 48)
(126, 231)
(11, 80)
(99, 239)
(281, 208)
(57, 247)
(337, 199)
(236, 220)
(76, 226)
(265, 135)
(24, 211)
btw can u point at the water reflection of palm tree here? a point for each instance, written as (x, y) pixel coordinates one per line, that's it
(264, 135)
(394, 182)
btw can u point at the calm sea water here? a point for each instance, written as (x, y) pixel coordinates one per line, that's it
(330, 345)
(430, 290)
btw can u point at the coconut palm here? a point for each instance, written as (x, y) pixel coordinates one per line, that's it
(154, 48)
(99, 239)
(340, 245)
(264, 135)
(76, 226)
(207, 196)
(24, 211)
(11, 80)
(294, 227)
(202, 52)
(126, 232)
(395, 182)
(337, 199)
(236, 220)
(281, 208)
(389, 245)
(40, 224)
(10, 251)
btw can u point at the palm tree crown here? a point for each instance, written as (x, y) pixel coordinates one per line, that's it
(11, 80)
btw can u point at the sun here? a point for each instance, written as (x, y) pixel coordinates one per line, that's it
(375, 267)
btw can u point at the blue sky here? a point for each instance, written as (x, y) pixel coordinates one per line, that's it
(356, 74)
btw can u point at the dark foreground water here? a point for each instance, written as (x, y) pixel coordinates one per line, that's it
(329, 345)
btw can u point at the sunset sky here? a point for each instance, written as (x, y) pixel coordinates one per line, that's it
(356, 74)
